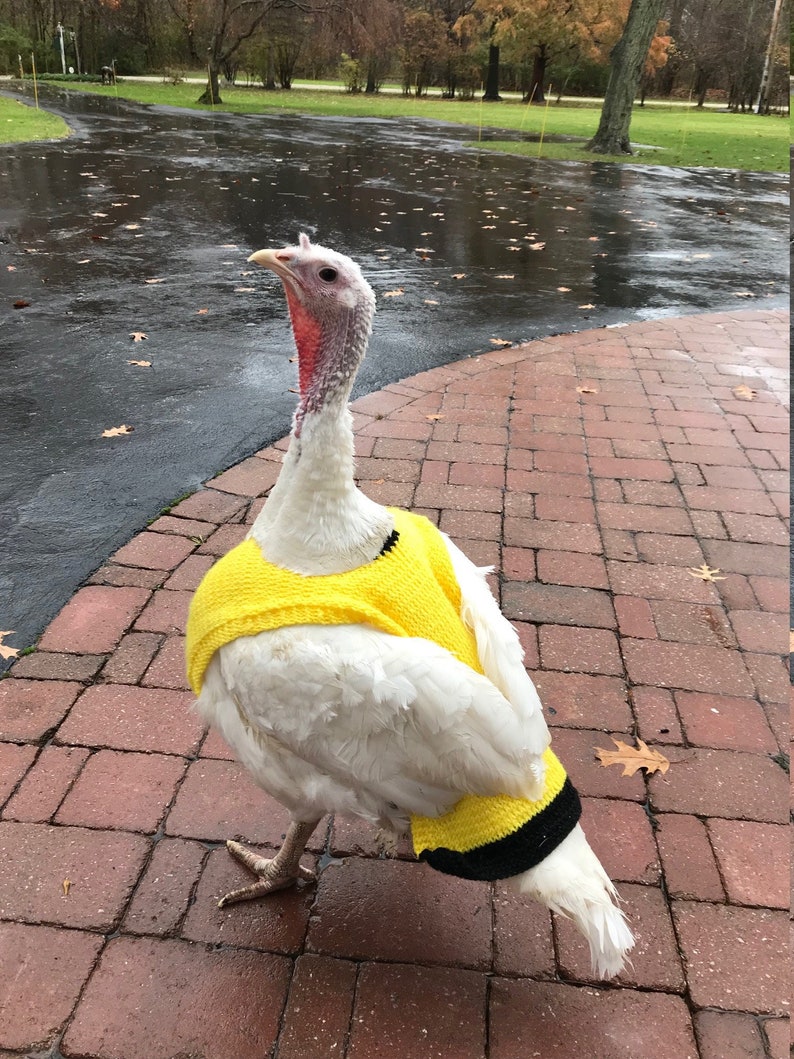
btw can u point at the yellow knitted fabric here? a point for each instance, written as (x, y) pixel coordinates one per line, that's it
(408, 591)
(476, 821)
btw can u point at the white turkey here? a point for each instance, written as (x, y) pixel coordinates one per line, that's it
(357, 663)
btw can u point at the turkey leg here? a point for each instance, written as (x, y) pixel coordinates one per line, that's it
(276, 874)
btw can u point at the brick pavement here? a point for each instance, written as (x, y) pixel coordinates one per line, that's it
(594, 470)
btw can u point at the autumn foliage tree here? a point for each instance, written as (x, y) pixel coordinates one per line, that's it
(538, 32)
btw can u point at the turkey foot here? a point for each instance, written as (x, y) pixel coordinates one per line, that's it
(283, 870)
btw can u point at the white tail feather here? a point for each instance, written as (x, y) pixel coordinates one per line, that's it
(572, 882)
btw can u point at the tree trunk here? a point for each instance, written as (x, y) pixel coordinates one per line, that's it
(211, 94)
(627, 61)
(762, 103)
(492, 78)
(538, 75)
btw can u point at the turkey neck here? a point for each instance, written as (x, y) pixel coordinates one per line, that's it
(316, 519)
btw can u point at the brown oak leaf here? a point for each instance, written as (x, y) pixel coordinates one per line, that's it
(633, 758)
(5, 650)
(744, 393)
(705, 573)
(113, 432)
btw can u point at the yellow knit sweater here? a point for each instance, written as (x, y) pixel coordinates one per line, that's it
(409, 590)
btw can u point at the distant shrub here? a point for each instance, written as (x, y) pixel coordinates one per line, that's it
(93, 79)
(173, 75)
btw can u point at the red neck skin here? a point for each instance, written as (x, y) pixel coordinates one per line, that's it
(308, 340)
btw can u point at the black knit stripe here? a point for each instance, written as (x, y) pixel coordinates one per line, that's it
(389, 543)
(516, 852)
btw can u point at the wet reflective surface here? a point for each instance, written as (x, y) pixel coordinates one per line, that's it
(140, 195)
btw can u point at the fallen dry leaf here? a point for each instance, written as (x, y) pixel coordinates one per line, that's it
(394, 293)
(743, 294)
(744, 393)
(66, 886)
(705, 573)
(633, 758)
(5, 650)
(587, 305)
(140, 363)
(154, 281)
(434, 416)
(244, 290)
(458, 275)
(138, 336)
(500, 342)
(506, 275)
(20, 303)
(113, 432)
(586, 389)
(132, 227)
(11, 268)
(430, 301)
(537, 246)
(564, 290)
(201, 312)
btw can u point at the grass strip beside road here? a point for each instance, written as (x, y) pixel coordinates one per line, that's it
(20, 123)
(674, 135)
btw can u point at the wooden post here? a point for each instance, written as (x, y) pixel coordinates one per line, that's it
(35, 82)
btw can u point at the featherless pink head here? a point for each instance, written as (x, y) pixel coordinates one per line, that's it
(331, 307)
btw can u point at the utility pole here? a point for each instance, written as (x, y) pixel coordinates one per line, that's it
(59, 31)
(769, 58)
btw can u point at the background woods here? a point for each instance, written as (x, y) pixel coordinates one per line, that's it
(734, 51)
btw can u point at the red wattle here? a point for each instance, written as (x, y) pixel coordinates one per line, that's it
(308, 334)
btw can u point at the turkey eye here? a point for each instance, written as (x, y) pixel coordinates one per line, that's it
(327, 274)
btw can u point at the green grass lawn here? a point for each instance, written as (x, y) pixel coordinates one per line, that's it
(20, 122)
(674, 135)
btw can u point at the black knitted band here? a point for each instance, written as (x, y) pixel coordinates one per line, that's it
(517, 852)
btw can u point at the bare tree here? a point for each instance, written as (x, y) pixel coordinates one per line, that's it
(226, 25)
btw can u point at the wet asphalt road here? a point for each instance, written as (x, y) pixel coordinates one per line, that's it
(139, 195)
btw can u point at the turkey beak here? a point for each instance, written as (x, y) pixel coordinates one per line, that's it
(277, 261)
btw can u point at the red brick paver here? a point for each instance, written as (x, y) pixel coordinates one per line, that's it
(596, 510)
